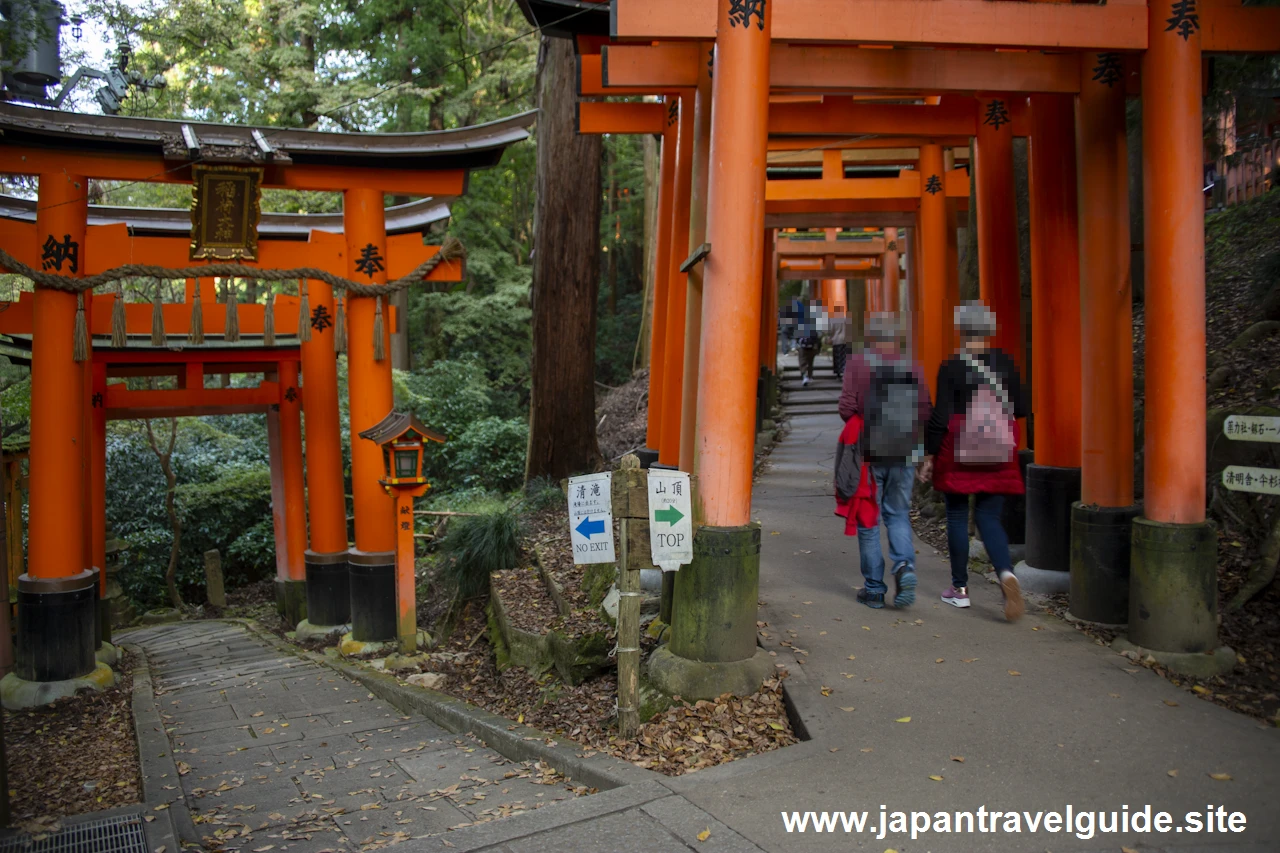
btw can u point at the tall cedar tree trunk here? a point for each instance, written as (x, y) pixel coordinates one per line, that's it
(170, 507)
(566, 277)
(614, 226)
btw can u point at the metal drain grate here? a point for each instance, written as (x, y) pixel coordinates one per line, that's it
(122, 834)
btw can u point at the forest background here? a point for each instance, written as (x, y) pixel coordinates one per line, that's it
(348, 65)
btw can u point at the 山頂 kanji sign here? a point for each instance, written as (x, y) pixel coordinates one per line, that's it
(670, 522)
(591, 518)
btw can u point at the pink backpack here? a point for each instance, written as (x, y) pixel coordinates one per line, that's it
(987, 437)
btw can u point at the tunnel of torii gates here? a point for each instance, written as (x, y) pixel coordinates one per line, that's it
(321, 580)
(876, 98)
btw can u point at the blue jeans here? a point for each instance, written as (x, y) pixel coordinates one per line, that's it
(986, 515)
(893, 496)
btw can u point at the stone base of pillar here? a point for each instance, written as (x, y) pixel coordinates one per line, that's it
(1050, 493)
(1042, 581)
(646, 456)
(307, 631)
(280, 607)
(104, 620)
(1100, 551)
(17, 693)
(1219, 661)
(108, 654)
(328, 589)
(713, 649)
(1173, 587)
(57, 627)
(96, 579)
(373, 595)
(295, 601)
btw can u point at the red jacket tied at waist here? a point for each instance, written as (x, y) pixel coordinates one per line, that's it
(861, 510)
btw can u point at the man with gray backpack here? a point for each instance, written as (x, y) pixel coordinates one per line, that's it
(888, 392)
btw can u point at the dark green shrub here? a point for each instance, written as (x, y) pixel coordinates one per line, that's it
(478, 545)
(491, 454)
(543, 493)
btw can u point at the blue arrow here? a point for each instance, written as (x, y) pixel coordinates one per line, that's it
(587, 527)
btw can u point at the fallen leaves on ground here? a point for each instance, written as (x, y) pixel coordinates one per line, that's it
(77, 755)
(1220, 777)
(903, 720)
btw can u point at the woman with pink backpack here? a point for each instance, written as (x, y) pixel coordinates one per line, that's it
(972, 442)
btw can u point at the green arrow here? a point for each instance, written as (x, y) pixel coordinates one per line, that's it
(670, 515)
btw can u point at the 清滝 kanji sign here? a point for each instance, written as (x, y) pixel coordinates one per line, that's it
(591, 518)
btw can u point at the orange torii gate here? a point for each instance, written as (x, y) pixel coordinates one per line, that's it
(1057, 73)
(73, 397)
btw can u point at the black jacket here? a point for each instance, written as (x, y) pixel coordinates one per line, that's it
(957, 384)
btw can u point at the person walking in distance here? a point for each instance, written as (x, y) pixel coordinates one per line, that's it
(972, 441)
(888, 391)
(808, 341)
(840, 329)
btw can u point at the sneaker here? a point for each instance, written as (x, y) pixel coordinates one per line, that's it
(1013, 604)
(874, 600)
(956, 597)
(904, 585)
(804, 380)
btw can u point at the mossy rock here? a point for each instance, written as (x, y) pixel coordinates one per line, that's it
(160, 616)
(579, 658)
(1255, 333)
(596, 580)
(523, 648)
(653, 701)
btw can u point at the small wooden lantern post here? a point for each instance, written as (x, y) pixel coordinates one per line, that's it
(402, 438)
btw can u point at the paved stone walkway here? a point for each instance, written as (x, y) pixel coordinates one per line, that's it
(277, 752)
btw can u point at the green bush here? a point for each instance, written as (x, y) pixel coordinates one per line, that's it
(491, 453)
(478, 545)
(543, 493)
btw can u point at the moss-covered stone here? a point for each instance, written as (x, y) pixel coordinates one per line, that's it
(1173, 590)
(652, 701)
(524, 649)
(714, 612)
(578, 658)
(596, 580)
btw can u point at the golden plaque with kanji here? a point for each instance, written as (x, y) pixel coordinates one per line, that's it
(225, 207)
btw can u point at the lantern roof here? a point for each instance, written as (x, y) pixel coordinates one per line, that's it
(397, 424)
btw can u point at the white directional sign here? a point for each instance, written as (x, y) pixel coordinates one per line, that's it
(1252, 428)
(591, 518)
(1239, 478)
(670, 519)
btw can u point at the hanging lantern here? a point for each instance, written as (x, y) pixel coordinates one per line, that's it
(403, 438)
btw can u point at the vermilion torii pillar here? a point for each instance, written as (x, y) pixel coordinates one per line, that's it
(328, 584)
(294, 510)
(673, 356)
(712, 649)
(1173, 586)
(889, 264)
(997, 222)
(936, 300)
(661, 281)
(1101, 523)
(373, 560)
(57, 598)
(693, 291)
(1053, 481)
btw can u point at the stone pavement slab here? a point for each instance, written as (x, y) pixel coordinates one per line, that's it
(277, 750)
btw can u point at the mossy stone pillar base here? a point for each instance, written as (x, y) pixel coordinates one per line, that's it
(373, 595)
(328, 588)
(1101, 538)
(96, 580)
(280, 608)
(1173, 587)
(57, 627)
(295, 601)
(713, 621)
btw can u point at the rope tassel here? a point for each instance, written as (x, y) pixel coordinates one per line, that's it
(339, 328)
(379, 349)
(231, 332)
(80, 348)
(269, 321)
(196, 335)
(119, 326)
(157, 320)
(304, 313)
